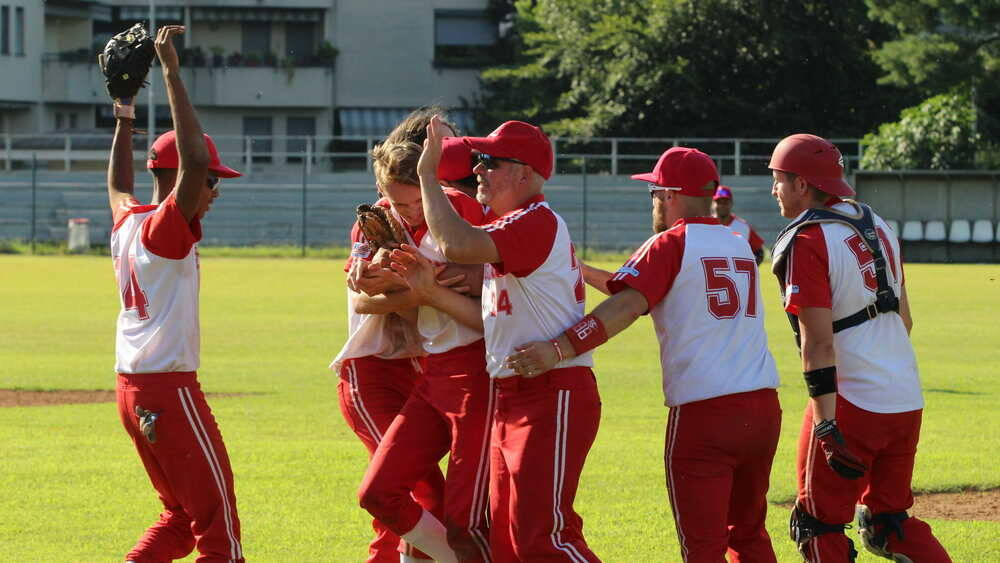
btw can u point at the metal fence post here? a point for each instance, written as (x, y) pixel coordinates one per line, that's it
(614, 157)
(304, 178)
(309, 154)
(368, 154)
(6, 146)
(737, 157)
(67, 145)
(34, 188)
(248, 154)
(584, 208)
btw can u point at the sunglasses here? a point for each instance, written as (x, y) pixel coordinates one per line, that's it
(653, 188)
(212, 182)
(490, 161)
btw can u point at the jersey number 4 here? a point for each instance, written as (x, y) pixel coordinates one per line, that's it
(723, 296)
(133, 296)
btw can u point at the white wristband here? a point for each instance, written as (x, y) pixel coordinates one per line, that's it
(124, 111)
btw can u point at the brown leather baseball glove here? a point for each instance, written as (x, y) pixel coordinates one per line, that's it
(380, 227)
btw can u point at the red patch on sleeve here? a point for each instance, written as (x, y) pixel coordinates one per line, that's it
(807, 278)
(523, 238)
(652, 268)
(167, 234)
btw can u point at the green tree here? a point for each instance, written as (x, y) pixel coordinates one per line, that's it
(938, 134)
(943, 45)
(692, 68)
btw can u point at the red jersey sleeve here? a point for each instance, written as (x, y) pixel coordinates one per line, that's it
(807, 277)
(167, 233)
(523, 239)
(119, 213)
(756, 242)
(652, 268)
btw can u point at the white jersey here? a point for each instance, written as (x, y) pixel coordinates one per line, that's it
(830, 267)
(440, 331)
(155, 255)
(536, 291)
(700, 280)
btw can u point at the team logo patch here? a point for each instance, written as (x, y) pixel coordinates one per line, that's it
(584, 328)
(629, 271)
(870, 234)
(791, 288)
(152, 154)
(361, 250)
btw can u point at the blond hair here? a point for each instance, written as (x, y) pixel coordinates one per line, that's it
(396, 163)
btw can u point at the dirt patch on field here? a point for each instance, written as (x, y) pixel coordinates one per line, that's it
(964, 505)
(17, 398)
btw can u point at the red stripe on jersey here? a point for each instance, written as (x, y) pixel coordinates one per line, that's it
(523, 238)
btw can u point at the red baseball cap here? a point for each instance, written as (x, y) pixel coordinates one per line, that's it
(163, 154)
(685, 170)
(518, 140)
(456, 160)
(814, 158)
(723, 192)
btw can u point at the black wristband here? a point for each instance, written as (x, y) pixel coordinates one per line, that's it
(821, 381)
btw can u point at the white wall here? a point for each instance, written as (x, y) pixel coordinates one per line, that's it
(67, 34)
(21, 76)
(387, 51)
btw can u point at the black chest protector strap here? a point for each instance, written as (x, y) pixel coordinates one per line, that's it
(863, 224)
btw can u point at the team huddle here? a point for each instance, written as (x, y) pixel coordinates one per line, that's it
(469, 338)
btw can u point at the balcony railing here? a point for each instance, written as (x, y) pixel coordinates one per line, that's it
(609, 155)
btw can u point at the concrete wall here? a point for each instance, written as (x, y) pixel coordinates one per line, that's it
(67, 34)
(387, 51)
(22, 75)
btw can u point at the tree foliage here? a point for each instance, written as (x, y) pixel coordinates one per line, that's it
(938, 134)
(692, 68)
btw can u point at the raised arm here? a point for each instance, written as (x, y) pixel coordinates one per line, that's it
(121, 175)
(596, 277)
(193, 156)
(460, 241)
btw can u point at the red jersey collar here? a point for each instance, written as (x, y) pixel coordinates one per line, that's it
(695, 221)
(834, 200)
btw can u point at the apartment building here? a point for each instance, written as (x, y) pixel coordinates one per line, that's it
(252, 67)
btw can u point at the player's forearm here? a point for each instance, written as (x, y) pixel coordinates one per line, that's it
(819, 354)
(460, 242)
(616, 313)
(121, 176)
(191, 149)
(384, 303)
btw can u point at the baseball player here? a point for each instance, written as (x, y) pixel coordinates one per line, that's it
(722, 209)
(382, 360)
(155, 252)
(532, 288)
(841, 276)
(449, 410)
(698, 280)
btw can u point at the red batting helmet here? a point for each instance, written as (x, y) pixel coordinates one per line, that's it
(814, 158)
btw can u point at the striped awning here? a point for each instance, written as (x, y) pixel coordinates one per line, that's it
(368, 122)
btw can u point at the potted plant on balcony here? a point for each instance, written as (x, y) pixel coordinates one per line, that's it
(252, 59)
(234, 59)
(218, 53)
(326, 54)
(269, 59)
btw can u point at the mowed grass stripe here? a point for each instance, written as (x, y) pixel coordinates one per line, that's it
(74, 490)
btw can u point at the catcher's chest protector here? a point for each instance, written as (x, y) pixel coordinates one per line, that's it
(863, 223)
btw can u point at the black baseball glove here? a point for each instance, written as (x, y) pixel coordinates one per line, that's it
(125, 61)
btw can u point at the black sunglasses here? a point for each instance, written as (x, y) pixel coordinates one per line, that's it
(490, 161)
(212, 182)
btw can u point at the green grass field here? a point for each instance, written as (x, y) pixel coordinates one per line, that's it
(73, 490)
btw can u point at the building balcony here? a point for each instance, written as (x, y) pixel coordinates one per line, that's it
(285, 86)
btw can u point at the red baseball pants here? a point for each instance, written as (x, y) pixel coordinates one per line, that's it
(188, 466)
(887, 444)
(372, 391)
(718, 458)
(448, 411)
(542, 432)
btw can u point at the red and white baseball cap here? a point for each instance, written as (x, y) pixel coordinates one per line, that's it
(814, 158)
(723, 192)
(456, 160)
(163, 154)
(518, 140)
(684, 170)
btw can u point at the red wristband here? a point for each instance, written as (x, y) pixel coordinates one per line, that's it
(587, 334)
